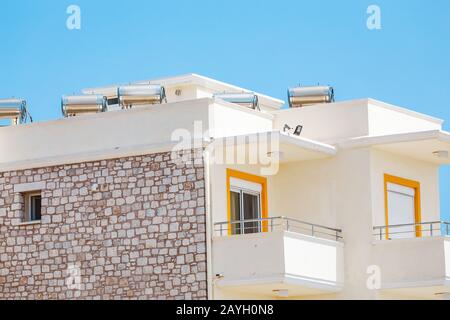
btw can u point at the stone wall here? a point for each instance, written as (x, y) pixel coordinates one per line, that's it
(130, 228)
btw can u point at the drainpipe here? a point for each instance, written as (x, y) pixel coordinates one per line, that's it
(209, 224)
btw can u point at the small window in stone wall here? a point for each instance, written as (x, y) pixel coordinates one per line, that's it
(32, 206)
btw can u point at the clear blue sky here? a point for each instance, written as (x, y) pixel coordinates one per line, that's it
(263, 45)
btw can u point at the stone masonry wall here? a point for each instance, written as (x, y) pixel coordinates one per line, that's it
(131, 228)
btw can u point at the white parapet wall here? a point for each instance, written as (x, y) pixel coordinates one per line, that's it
(156, 128)
(266, 262)
(418, 267)
(343, 120)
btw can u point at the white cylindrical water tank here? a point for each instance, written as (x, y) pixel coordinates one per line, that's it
(305, 96)
(138, 95)
(14, 110)
(245, 99)
(76, 105)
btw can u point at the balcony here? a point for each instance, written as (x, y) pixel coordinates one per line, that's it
(412, 230)
(290, 259)
(414, 259)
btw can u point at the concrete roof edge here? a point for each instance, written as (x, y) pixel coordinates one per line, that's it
(364, 141)
(406, 111)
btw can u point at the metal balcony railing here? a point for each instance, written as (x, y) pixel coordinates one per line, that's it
(252, 226)
(412, 230)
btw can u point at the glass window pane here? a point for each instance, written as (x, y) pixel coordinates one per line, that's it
(35, 208)
(251, 212)
(235, 204)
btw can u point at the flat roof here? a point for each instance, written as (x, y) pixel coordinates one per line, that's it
(194, 79)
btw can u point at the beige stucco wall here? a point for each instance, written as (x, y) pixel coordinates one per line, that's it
(228, 120)
(327, 123)
(298, 187)
(354, 216)
(366, 117)
(384, 120)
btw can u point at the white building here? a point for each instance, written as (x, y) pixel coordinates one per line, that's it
(350, 211)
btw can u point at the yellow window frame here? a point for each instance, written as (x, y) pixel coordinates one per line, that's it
(264, 200)
(417, 201)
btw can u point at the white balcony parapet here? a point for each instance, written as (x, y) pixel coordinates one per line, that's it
(273, 224)
(275, 255)
(414, 259)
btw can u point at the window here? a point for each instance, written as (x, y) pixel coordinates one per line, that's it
(245, 205)
(33, 202)
(247, 200)
(402, 202)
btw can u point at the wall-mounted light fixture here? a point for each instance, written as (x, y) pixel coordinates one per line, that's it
(286, 128)
(298, 130)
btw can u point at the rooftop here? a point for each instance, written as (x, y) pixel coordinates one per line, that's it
(147, 129)
(210, 86)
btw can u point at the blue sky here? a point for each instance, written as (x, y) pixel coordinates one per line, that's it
(263, 45)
